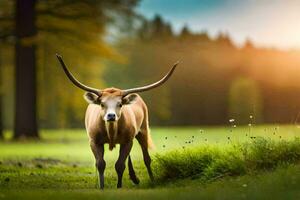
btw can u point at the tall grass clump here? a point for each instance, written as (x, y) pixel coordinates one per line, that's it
(212, 162)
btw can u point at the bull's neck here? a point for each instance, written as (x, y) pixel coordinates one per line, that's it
(112, 131)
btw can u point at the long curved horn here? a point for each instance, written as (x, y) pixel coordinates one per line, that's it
(153, 85)
(74, 80)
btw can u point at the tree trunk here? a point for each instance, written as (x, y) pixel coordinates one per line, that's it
(1, 92)
(1, 97)
(25, 71)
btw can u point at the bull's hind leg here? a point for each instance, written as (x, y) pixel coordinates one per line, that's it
(120, 164)
(143, 141)
(98, 150)
(132, 174)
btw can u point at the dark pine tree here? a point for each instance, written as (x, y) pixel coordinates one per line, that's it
(25, 70)
(1, 91)
(185, 32)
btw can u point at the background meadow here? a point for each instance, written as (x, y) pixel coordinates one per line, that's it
(200, 161)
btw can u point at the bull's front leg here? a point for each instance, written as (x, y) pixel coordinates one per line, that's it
(120, 164)
(98, 150)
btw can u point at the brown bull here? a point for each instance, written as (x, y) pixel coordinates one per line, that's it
(116, 116)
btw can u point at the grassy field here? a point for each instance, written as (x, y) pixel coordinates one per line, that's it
(62, 165)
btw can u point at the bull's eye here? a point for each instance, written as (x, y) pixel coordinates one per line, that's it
(120, 105)
(102, 105)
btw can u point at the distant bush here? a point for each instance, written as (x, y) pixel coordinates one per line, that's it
(212, 162)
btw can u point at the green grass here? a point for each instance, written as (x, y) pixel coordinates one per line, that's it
(62, 165)
(212, 162)
(280, 184)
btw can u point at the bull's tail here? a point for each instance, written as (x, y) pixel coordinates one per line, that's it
(150, 143)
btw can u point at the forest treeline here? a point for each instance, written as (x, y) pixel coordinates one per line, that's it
(215, 81)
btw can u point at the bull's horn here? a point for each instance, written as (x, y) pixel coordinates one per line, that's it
(74, 80)
(153, 85)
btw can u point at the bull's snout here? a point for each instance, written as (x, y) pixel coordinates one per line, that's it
(111, 117)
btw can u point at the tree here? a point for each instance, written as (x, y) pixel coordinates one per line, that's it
(248, 44)
(25, 70)
(5, 33)
(224, 39)
(185, 32)
(1, 91)
(159, 29)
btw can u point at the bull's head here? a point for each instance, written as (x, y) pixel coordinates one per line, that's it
(111, 100)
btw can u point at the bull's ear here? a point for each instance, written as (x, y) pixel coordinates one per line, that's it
(92, 98)
(129, 99)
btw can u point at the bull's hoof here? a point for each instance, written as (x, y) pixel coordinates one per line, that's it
(101, 187)
(136, 180)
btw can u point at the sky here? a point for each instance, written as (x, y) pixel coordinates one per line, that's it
(268, 23)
